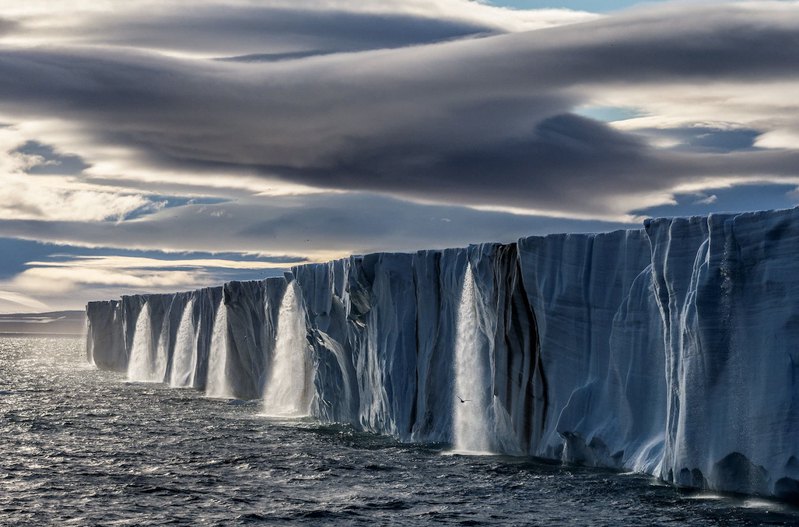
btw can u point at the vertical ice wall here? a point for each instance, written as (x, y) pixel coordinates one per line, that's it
(327, 306)
(438, 289)
(105, 338)
(509, 329)
(362, 318)
(170, 338)
(727, 287)
(151, 339)
(668, 350)
(245, 323)
(601, 347)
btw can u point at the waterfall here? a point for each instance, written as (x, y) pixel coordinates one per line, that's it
(148, 361)
(287, 390)
(471, 423)
(161, 357)
(217, 382)
(140, 365)
(184, 358)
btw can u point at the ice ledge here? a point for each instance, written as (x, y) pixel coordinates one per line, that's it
(670, 350)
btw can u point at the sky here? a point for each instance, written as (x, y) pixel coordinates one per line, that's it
(154, 146)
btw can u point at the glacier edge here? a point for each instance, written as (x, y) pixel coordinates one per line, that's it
(671, 350)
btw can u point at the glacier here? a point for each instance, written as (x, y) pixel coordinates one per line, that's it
(671, 350)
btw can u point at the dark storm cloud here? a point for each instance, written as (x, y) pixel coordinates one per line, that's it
(313, 224)
(249, 29)
(480, 122)
(563, 159)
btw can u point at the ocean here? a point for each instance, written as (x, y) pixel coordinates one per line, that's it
(85, 447)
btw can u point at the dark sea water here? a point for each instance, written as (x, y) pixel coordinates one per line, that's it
(83, 447)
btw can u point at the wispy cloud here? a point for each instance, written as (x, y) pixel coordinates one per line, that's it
(319, 227)
(67, 280)
(215, 28)
(11, 301)
(141, 263)
(706, 200)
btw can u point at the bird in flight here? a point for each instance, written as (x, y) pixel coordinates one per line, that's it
(462, 400)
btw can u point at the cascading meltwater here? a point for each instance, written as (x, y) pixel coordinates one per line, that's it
(144, 364)
(668, 350)
(184, 357)
(472, 394)
(288, 390)
(217, 384)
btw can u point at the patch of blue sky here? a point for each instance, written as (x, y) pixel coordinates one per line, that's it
(17, 253)
(168, 202)
(46, 161)
(244, 275)
(741, 198)
(608, 113)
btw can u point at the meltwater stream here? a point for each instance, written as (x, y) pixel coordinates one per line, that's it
(217, 385)
(184, 362)
(472, 395)
(139, 362)
(85, 447)
(285, 396)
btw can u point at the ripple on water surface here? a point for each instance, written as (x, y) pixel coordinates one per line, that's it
(84, 447)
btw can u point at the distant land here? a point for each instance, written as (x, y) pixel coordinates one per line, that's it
(57, 323)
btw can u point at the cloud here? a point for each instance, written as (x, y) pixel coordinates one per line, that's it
(11, 301)
(320, 227)
(7, 26)
(39, 158)
(55, 280)
(38, 182)
(707, 200)
(22, 199)
(269, 229)
(141, 263)
(274, 27)
(67, 280)
(482, 122)
(215, 30)
(322, 127)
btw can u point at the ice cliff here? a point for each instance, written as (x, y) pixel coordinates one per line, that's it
(671, 350)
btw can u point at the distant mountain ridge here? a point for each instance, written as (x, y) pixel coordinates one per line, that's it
(53, 323)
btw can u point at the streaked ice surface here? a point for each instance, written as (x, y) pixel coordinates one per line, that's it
(668, 350)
